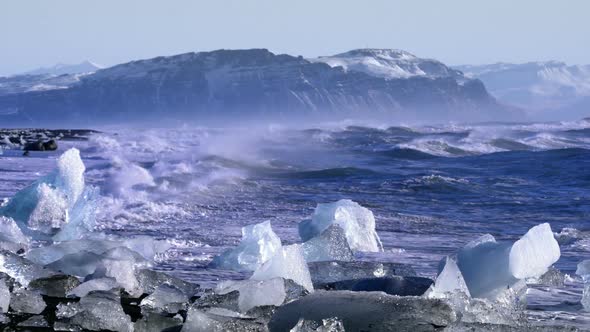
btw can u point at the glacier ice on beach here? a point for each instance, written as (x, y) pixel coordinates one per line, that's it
(583, 269)
(145, 246)
(490, 267)
(331, 245)
(11, 236)
(259, 243)
(101, 284)
(165, 299)
(255, 293)
(22, 269)
(449, 281)
(26, 301)
(534, 253)
(586, 297)
(52, 201)
(96, 312)
(357, 222)
(198, 321)
(4, 296)
(123, 271)
(288, 263)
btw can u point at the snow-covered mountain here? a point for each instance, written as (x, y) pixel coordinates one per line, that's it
(389, 64)
(539, 86)
(254, 84)
(61, 69)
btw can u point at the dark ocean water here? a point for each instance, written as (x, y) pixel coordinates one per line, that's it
(432, 188)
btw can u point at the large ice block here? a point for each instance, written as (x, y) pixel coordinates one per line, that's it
(53, 201)
(448, 282)
(259, 243)
(123, 271)
(534, 253)
(255, 293)
(490, 267)
(97, 311)
(329, 272)
(583, 269)
(357, 222)
(365, 311)
(200, 321)
(21, 269)
(27, 302)
(165, 299)
(331, 245)
(287, 263)
(99, 284)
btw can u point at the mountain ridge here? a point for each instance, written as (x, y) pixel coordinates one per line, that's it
(248, 83)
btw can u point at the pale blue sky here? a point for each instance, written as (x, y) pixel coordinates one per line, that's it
(45, 32)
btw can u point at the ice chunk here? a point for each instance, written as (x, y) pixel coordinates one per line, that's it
(490, 267)
(47, 203)
(534, 253)
(449, 281)
(166, 299)
(365, 311)
(96, 312)
(395, 285)
(199, 321)
(4, 296)
(100, 284)
(70, 175)
(331, 245)
(148, 247)
(583, 270)
(126, 254)
(485, 267)
(287, 263)
(149, 280)
(553, 278)
(144, 248)
(54, 286)
(79, 264)
(82, 216)
(326, 325)
(36, 322)
(357, 222)
(254, 293)
(121, 270)
(27, 302)
(451, 286)
(328, 272)
(52, 253)
(21, 269)
(51, 210)
(85, 263)
(259, 243)
(586, 296)
(152, 322)
(11, 237)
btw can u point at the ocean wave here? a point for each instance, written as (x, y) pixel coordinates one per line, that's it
(330, 173)
(435, 182)
(406, 153)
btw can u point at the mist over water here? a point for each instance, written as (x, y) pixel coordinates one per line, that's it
(432, 188)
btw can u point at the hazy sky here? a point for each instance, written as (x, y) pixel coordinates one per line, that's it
(45, 32)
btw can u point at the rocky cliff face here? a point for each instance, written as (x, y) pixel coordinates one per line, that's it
(246, 83)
